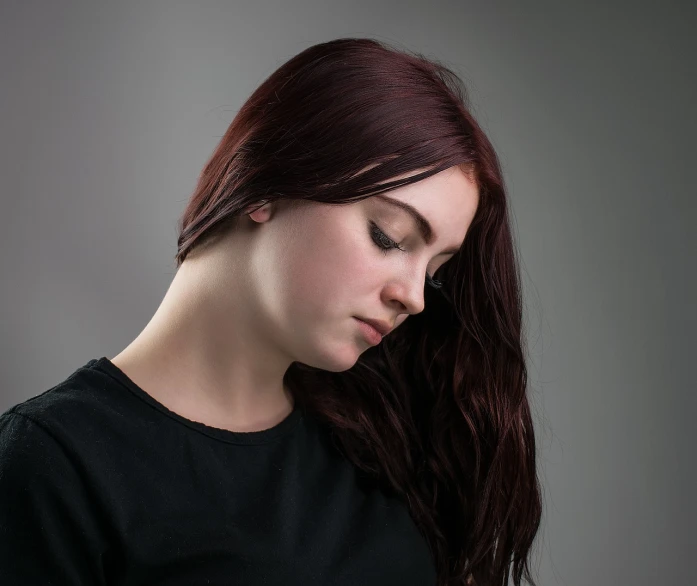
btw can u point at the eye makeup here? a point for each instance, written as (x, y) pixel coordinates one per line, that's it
(384, 243)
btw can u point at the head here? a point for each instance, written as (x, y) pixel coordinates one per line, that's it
(315, 268)
(312, 182)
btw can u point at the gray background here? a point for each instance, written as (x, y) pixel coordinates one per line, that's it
(109, 112)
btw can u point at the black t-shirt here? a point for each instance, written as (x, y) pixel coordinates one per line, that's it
(102, 484)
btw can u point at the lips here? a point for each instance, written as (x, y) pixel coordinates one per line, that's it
(381, 326)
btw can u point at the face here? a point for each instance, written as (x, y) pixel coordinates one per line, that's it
(316, 267)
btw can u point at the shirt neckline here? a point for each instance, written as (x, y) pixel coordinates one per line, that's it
(263, 436)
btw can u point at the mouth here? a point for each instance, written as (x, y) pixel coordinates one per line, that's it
(371, 335)
(382, 327)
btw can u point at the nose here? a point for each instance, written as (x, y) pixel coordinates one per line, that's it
(408, 293)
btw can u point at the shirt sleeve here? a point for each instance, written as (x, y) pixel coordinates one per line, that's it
(49, 533)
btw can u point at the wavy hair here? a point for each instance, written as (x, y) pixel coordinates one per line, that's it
(437, 413)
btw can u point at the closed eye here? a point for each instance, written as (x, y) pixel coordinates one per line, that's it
(385, 243)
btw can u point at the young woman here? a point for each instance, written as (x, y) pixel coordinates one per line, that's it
(309, 404)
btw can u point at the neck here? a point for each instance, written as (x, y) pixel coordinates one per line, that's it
(207, 357)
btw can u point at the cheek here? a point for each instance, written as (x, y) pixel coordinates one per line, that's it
(328, 274)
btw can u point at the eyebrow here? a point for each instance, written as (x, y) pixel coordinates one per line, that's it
(425, 228)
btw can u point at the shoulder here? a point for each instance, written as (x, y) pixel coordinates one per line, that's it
(24, 445)
(73, 413)
(61, 398)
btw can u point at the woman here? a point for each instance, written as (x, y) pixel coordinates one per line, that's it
(259, 430)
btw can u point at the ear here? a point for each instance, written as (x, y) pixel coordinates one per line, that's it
(261, 213)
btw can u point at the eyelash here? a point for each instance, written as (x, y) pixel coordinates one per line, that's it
(378, 236)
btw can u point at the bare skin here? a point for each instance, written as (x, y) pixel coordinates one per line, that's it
(286, 285)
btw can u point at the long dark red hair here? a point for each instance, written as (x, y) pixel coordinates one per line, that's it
(438, 412)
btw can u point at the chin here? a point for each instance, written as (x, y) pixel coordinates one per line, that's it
(343, 358)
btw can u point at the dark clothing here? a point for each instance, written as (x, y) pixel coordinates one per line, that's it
(102, 484)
